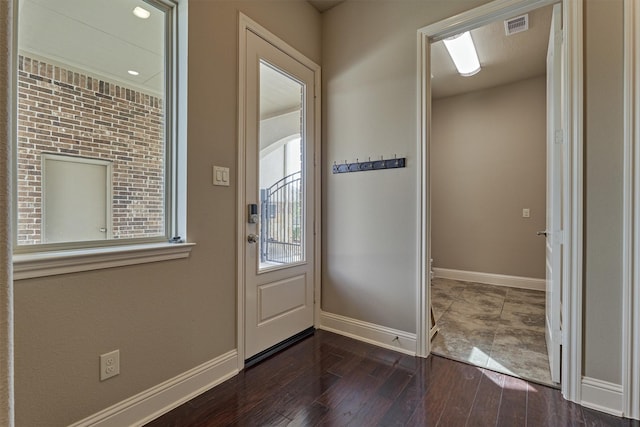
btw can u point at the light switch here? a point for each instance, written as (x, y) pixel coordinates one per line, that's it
(220, 176)
(526, 213)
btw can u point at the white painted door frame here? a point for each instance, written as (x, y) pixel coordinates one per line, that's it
(631, 215)
(572, 216)
(247, 24)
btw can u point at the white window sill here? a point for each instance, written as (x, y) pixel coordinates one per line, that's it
(27, 266)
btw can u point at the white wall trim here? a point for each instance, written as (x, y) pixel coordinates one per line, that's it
(602, 396)
(423, 227)
(572, 283)
(160, 399)
(241, 196)
(573, 179)
(8, 15)
(491, 279)
(631, 214)
(27, 266)
(371, 333)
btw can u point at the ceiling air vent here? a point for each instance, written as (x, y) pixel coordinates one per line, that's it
(516, 25)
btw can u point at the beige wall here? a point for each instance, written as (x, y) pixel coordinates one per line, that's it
(488, 162)
(168, 317)
(369, 218)
(603, 189)
(370, 221)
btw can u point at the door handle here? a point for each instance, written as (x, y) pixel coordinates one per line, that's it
(103, 229)
(542, 233)
(252, 238)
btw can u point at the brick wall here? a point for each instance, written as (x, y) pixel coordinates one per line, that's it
(68, 113)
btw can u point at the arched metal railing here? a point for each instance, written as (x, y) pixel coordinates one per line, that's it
(282, 224)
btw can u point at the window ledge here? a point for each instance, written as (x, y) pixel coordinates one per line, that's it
(27, 266)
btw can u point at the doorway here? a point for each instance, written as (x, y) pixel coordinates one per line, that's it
(570, 137)
(277, 179)
(488, 173)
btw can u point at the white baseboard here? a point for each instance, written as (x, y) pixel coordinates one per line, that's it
(602, 396)
(150, 404)
(371, 333)
(491, 279)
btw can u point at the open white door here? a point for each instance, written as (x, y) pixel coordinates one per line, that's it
(279, 194)
(554, 196)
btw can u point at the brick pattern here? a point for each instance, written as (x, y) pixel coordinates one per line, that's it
(69, 113)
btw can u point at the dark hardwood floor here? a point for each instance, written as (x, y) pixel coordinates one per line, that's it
(331, 380)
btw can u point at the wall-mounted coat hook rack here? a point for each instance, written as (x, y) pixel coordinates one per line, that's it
(369, 165)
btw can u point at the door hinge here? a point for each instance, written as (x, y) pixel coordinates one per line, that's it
(559, 137)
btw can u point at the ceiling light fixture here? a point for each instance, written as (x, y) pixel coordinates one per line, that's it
(141, 12)
(133, 72)
(463, 53)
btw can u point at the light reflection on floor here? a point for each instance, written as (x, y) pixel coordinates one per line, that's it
(494, 327)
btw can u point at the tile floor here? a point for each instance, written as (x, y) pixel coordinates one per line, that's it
(494, 327)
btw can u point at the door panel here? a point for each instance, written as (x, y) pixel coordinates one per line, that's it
(281, 298)
(554, 196)
(76, 193)
(279, 181)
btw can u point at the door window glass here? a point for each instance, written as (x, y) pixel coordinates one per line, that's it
(281, 175)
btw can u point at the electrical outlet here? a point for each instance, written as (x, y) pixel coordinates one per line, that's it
(526, 213)
(109, 364)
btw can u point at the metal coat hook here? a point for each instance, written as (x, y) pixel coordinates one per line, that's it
(359, 166)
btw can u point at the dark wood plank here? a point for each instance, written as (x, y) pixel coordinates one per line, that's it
(487, 403)
(513, 407)
(310, 415)
(436, 395)
(545, 406)
(347, 397)
(395, 383)
(410, 397)
(329, 379)
(599, 419)
(462, 395)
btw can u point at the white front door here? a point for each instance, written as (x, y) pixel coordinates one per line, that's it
(76, 203)
(279, 197)
(554, 195)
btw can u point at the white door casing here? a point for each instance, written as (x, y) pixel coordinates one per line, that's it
(555, 153)
(278, 298)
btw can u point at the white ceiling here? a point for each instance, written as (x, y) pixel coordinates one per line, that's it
(504, 59)
(106, 39)
(279, 93)
(99, 36)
